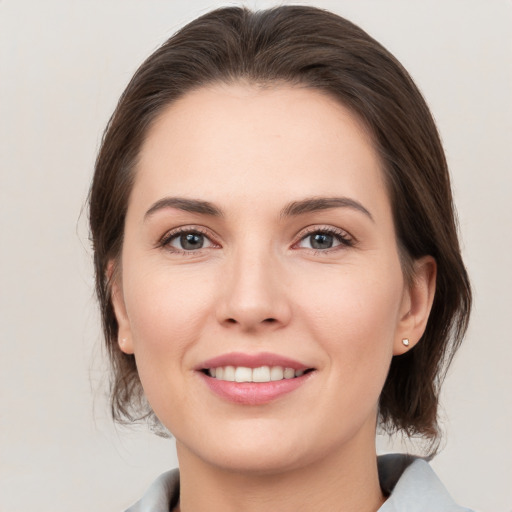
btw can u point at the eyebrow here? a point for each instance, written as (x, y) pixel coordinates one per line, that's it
(294, 208)
(315, 204)
(186, 205)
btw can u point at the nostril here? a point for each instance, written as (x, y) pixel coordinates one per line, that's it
(251, 323)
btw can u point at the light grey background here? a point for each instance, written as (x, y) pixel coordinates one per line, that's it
(63, 64)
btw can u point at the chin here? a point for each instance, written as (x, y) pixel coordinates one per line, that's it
(261, 447)
(255, 460)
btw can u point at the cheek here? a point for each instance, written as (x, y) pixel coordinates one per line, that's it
(167, 311)
(355, 316)
(167, 314)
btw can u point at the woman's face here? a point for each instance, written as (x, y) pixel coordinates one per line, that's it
(259, 244)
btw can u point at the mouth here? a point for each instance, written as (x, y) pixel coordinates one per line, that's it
(254, 379)
(259, 374)
(260, 367)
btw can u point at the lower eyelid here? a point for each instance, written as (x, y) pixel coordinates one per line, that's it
(342, 237)
(172, 235)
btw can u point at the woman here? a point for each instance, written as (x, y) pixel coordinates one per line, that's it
(277, 265)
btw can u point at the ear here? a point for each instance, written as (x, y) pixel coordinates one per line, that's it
(124, 336)
(416, 304)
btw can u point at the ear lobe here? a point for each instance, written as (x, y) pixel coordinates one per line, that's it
(418, 301)
(124, 337)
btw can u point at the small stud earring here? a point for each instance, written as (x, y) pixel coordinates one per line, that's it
(405, 342)
(123, 341)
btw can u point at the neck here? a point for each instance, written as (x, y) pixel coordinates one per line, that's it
(342, 481)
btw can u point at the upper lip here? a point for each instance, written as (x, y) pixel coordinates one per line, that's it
(251, 361)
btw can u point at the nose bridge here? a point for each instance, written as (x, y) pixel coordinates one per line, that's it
(254, 295)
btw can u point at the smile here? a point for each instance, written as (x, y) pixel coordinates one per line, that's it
(253, 379)
(260, 374)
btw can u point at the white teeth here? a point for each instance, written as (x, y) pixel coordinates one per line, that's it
(243, 374)
(289, 373)
(276, 373)
(260, 374)
(229, 373)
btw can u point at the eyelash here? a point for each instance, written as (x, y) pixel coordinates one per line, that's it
(344, 239)
(165, 241)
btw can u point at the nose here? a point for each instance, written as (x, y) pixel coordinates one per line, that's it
(254, 296)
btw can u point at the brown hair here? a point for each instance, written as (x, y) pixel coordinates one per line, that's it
(317, 49)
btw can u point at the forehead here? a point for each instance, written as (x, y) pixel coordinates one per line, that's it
(242, 140)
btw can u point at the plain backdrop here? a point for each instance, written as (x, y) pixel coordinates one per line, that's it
(63, 64)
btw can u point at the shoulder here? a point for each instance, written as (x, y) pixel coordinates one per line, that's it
(410, 482)
(162, 495)
(413, 486)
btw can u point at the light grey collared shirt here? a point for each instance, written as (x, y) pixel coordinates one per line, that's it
(410, 482)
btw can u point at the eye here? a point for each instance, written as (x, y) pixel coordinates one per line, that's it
(325, 239)
(186, 241)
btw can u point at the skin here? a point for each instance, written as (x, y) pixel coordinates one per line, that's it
(257, 285)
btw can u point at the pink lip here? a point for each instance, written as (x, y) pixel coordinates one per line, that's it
(252, 393)
(251, 361)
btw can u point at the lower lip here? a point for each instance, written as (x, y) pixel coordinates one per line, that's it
(254, 393)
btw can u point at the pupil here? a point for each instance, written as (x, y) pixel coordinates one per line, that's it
(321, 241)
(191, 241)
